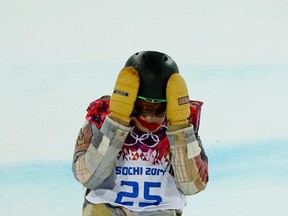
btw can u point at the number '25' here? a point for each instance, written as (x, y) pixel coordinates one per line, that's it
(154, 199)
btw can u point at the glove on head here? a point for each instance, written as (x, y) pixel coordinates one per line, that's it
(124, 95)
(178, 108)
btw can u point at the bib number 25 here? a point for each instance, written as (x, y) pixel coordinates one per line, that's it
(129, 196)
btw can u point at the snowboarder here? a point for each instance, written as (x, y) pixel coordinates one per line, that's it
(139, 152)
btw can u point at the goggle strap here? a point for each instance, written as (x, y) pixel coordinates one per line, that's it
(150, 100)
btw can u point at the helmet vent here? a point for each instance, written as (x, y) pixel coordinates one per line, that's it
(165, 58)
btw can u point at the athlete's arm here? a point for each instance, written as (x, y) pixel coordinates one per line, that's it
(189, 161)
(96, 152)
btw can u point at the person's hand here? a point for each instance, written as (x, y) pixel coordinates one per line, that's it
(178, 108)
(124, 95)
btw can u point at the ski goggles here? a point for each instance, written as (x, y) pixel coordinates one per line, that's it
(143, 107)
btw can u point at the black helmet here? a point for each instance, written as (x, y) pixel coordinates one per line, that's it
(154, 69)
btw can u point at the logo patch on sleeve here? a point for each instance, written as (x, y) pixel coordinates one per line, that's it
(119, 92)
(183, 100)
